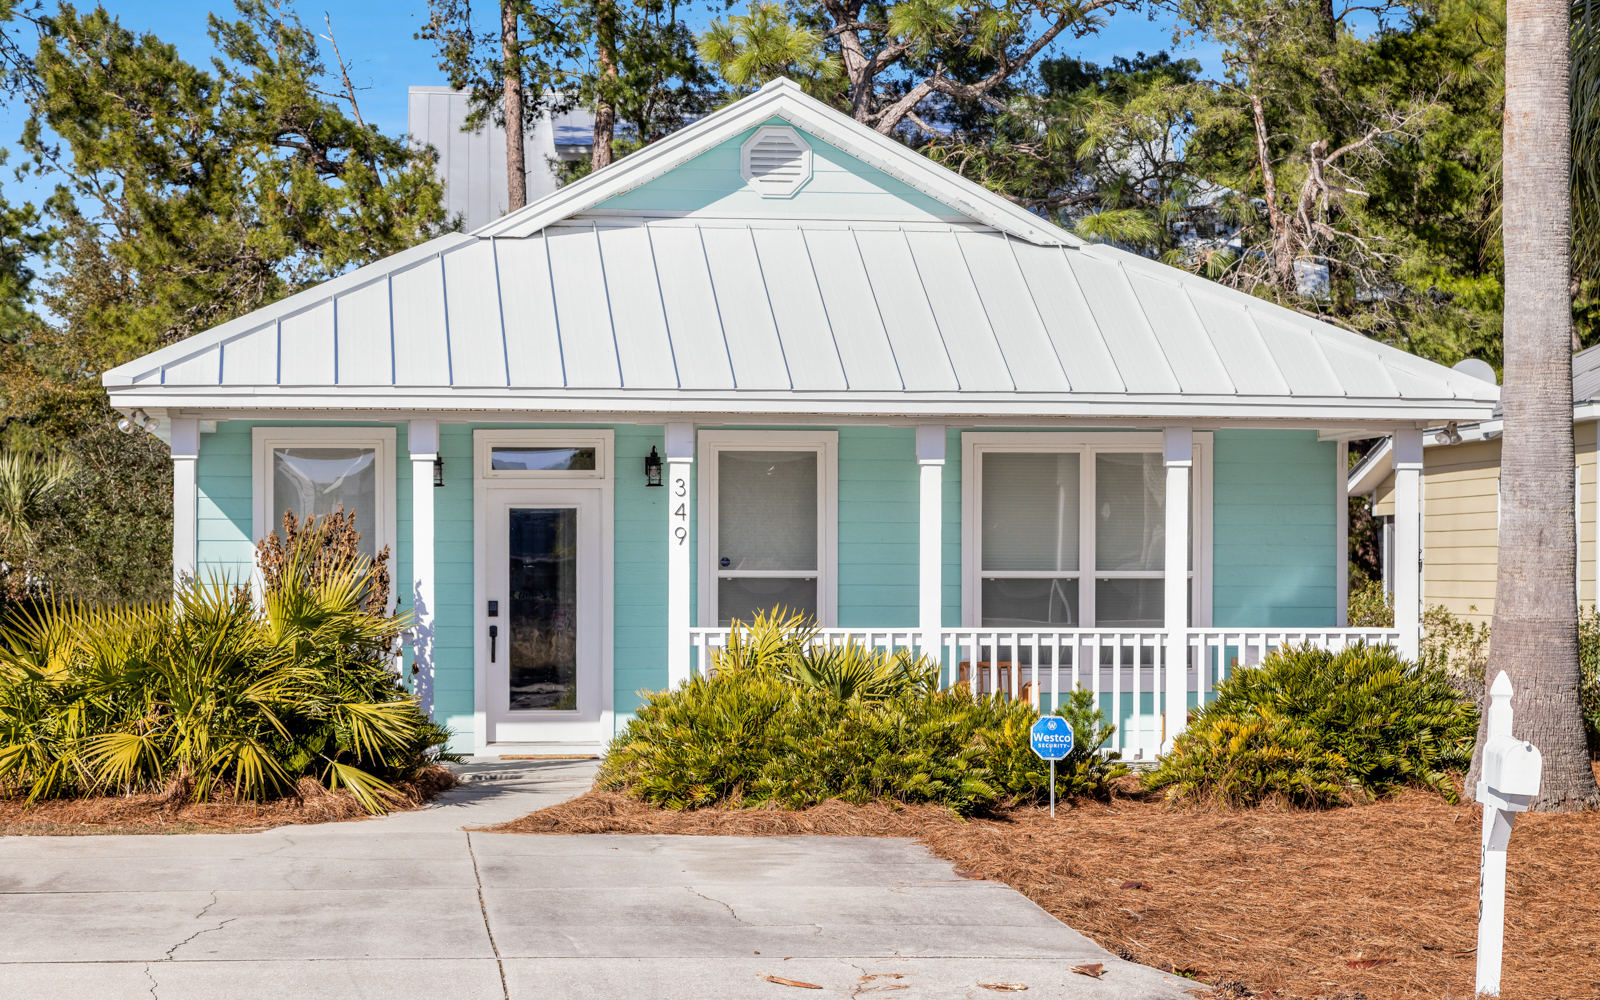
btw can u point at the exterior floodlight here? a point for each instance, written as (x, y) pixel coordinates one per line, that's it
(652, 468)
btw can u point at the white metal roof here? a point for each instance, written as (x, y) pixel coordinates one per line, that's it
(542, 311)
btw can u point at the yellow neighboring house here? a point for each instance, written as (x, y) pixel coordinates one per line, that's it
(1461, 499)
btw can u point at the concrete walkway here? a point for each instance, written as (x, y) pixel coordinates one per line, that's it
(411, 907)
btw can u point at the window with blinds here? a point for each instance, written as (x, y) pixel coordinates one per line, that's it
(1073, 538)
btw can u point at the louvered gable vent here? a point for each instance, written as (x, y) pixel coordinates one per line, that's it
(776, 161)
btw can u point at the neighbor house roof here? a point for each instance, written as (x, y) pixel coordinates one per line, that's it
(999, 313)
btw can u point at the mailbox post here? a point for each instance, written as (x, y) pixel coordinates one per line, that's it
(1511, 773)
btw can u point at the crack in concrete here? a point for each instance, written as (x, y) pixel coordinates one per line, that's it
(151, 976)
(483, 907)
(719, 902)
(204, 930)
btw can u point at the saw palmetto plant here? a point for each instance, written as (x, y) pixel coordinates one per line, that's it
(223, 695)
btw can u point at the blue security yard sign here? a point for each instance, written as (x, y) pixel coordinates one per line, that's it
(1051, 739)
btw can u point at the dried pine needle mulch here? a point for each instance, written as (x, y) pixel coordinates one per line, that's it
(172, 811)
(1378, 900)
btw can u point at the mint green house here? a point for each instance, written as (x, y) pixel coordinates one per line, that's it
(778, 359)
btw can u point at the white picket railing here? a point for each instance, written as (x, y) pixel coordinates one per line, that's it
(1124, 669)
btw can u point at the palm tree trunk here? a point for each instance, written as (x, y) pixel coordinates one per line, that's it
(1535, 630)
(516, 166)
(605, 109)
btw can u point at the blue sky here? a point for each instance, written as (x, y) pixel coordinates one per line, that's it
(377, 40)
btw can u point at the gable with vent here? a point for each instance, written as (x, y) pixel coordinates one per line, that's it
(776, 161)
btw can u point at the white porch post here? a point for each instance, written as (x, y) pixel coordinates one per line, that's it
(423, 443)
(1178, 456)
(185, 499)
(1341, 534)
(930, 537)
(1407, 572)
(680, 463)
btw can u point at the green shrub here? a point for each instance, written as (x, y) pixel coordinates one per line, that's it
(1369, 607)
(1314, 728)
(778, 724)
(1589, 675)
(215, 693)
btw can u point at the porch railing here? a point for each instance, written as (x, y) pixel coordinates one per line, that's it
(1123, 669)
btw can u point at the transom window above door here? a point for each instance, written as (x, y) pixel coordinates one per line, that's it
(1069, 531)
(767, 524)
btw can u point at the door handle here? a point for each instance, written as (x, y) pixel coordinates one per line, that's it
(494, 631)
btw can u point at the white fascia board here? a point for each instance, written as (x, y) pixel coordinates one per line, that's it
(735, 403)
(125, 374)
(782, 98)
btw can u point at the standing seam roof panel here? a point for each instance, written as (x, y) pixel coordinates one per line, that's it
(305, 345)
(252, 358)
(204, 368)
(643, 345)
(588, 342)
(863, 343)
(1360, 372)
(913, 331)
(1299, 357)
(808, 343)
(759, 360)
(1009, 312)
(1078, 341)
(1250, 365)
(477, 346)
(366, 351)
(968, 333)
(533, 348)
(421, 337)
(1181, 335)
(697, 343)
(1140, 360)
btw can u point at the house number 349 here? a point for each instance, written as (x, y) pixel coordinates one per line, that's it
(680, 488)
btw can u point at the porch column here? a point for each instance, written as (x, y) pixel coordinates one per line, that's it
(1407, 572)
(423, 443)
(1178, 456)
(680, 465)
(185, 499)
(930, 537)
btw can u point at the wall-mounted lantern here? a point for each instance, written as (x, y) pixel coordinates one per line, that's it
(652, 468)
(438, 470)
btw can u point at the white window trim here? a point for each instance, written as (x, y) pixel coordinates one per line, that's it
(974, 444)
(603, 479)
(263, 440)
(826, 445)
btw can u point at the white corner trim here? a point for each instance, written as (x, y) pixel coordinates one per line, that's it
(775, 161)
(826, 445)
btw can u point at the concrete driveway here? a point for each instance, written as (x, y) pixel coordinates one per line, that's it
(410, 906)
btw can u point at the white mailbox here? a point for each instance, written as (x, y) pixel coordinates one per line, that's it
(1511, 770)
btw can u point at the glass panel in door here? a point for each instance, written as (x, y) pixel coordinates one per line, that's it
(542, 650)
(766, 533)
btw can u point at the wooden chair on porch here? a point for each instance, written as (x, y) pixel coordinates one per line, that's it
(1002, 671)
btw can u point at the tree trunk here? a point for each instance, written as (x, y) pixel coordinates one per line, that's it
(1282, 246)
(605, 109)
(1535, 630)
(516, 165)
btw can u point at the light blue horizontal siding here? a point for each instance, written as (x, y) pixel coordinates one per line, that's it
(1273, 535)
(841, 186)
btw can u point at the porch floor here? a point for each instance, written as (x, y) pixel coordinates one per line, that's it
(411, 906)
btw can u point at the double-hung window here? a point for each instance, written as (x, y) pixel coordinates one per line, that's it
(767, 501)
(1069, 531)
(314, 471)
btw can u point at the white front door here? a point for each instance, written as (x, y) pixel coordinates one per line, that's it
(542, 616)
